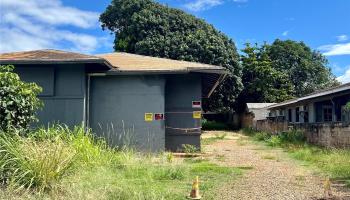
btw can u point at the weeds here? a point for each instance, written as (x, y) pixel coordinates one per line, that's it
(333, 162)
(62, 163)
(188, 148)
(28, 164)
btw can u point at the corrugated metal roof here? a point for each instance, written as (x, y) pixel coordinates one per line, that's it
(259, 105)
(325, 92)
(47, 56)
(127, 62)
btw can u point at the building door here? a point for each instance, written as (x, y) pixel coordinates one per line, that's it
(118, 106)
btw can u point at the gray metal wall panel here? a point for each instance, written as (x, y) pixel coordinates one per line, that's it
(66, 104)
(117, 108)
(69, 81)
(63, 111)
(180, 91)
(43, 76)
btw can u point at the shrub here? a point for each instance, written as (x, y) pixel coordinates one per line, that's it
(262, 136)
(18, 100)
(213, 125)
(249, 131)
(274, 141)
(294, 136)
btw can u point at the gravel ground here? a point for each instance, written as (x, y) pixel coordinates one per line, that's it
(271, 174)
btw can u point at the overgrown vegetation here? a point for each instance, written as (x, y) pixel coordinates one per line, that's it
(18, 100)
(333, 162)
(213, 125)
(61, 163)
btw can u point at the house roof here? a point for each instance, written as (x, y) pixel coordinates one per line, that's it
(122, 63)
(48, 56)
(317, 94)
(126, 62)
(259, 105)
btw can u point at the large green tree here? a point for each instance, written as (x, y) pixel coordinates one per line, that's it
(262, 82)
(149, 28)
(280, 71)
(306, 68)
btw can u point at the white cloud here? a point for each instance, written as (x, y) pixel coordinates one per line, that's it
(40, 24)
(345, 78)
(199, 5)
(335, 49)
(342, 38)
(285, 33)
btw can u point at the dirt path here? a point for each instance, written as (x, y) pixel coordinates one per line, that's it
(272, 175)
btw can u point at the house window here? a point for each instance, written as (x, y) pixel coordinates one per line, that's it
(297, 114)
(306, 117)
(290, 115)
(306, 114)
(327, 114)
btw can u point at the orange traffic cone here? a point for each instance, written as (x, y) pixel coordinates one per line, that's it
(327, 188)
(195, 190)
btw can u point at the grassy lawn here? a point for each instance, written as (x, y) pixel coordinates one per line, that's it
(59, 163)
(334, 163)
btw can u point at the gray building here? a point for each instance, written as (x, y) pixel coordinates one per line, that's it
(146, 102)
(323, 117)
(320, 107)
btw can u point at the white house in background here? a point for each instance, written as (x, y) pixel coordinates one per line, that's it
(254, 112)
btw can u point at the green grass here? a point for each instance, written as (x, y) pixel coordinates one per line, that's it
(210, 140)
(332, 162)
(59, 163)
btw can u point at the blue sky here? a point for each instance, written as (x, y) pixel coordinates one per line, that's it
(73, 24)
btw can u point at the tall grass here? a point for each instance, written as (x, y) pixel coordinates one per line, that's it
(62, 163)
(25, 163)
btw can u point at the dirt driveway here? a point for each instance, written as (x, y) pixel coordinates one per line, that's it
(270, 173)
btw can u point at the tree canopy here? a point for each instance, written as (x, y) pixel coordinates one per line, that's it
(149, 28)
(281, 71)
(262, 82)
(271, 72)
(306, 68)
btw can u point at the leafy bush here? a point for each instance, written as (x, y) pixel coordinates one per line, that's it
(262, 136)
(18, 100)
(294, 136)
(274, 141)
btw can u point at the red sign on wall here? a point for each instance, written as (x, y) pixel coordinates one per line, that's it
(196, 104)
(159, 116)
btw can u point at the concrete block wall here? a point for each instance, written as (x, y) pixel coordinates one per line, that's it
(323, 134)
(328, 135)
